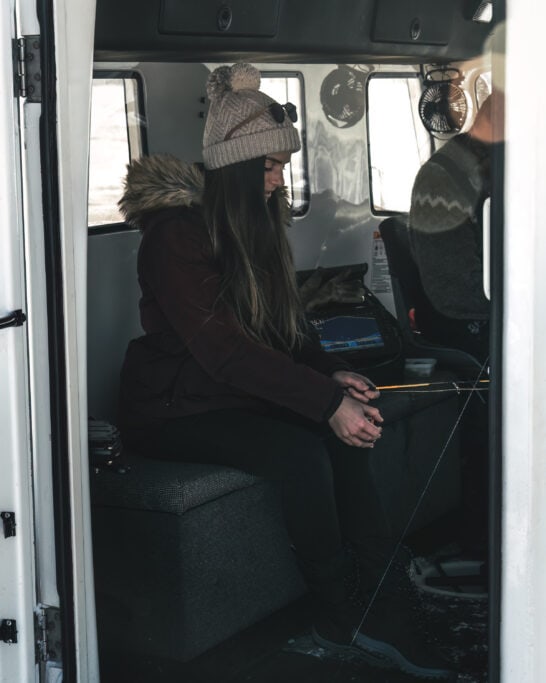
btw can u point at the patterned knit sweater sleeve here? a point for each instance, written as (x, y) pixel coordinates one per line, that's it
(446, 228)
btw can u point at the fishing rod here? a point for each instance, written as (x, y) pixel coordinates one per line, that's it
(459, 386)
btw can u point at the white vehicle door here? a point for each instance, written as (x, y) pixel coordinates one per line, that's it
(47, 623)
(17, 568)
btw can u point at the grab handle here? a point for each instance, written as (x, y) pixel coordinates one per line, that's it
(14, 319)
(486, 222)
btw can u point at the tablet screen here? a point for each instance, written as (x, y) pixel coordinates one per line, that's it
(348, 333)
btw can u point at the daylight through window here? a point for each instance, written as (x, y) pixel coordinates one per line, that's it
(398, 141)
(288, 88)
(115, 140)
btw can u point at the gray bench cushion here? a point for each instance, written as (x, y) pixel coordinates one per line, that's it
(186, 555)
(163, 486)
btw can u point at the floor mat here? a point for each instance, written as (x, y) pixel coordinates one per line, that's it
(280, 650)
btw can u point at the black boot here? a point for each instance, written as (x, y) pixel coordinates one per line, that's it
(383, 631)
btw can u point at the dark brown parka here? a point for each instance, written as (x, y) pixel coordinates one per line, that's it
(194, 356)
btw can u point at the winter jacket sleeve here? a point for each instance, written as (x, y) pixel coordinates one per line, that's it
(179, 271)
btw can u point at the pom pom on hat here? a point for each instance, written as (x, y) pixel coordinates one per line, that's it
(232, 78)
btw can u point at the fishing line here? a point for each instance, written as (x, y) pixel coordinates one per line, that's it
(423, 492)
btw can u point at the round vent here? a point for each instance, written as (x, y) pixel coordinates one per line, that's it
(342, 97)
(443, 108)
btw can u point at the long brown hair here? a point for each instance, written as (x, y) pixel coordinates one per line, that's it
(251, 249)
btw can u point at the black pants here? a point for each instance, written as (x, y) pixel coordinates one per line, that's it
(328, 490)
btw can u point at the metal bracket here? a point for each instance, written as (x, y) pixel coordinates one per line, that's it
(9, 523)
(47, 625)
(8, 631)
(28, 69)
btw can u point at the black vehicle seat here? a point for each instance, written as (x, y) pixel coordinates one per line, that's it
(409, 294)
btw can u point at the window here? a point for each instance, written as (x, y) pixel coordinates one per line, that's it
(289, 88)
(116, 138)
(398, 141)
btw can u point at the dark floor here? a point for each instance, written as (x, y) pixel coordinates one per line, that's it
(280, 650)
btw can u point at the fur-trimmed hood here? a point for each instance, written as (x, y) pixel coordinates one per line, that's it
(162, 181)
(159, 182)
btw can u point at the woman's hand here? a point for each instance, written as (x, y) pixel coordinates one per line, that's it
(354, 423)
(357, 386)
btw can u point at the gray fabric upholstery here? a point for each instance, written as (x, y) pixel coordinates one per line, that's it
(163, 486)
(171, 585)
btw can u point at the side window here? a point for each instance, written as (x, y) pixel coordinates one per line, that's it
(116, 139)
(398, 142)
(284, 88)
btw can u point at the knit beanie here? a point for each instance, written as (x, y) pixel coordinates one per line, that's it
(240, 123)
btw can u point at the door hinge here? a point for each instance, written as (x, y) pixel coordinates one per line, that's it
(9, 523)
(47, 626)
(27, 68)
(8, 631)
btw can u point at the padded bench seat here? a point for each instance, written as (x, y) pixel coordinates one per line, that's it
(186, 555)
